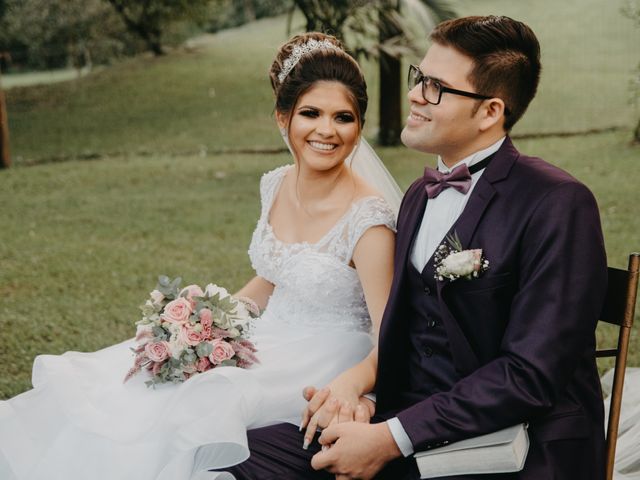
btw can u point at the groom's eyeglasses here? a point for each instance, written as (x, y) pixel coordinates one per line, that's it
(432, 89)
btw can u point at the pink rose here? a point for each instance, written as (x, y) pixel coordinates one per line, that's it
(207, 333)
(206, 320)
(189, 336)
(177, 311)
(191, 291)
(203, 364)
(221, 351)
(157, 351)
(206, 317)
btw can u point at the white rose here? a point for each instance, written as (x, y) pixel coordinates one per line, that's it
(156, 296)
(211, 289)
(240, 316)
(462, 263)
(176, 347)
(144, 332)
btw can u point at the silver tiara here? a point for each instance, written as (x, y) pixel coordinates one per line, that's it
(301, 50)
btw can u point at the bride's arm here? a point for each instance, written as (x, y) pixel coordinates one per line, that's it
(373, 259)
(257, 289)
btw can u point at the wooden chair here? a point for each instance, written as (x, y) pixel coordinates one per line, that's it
(618, 309)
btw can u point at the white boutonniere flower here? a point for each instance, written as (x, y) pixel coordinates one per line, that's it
(452, 262)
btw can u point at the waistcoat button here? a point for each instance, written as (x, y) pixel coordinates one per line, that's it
(428, 351)
(427, 290)
(431, 322)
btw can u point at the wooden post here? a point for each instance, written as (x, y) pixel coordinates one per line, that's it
(5, 158)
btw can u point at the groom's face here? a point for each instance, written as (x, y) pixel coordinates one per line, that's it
(450, 127)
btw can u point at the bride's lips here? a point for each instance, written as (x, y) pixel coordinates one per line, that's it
(415, 119)
(322, 147)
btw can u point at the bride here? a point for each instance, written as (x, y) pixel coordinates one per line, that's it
(322, 252)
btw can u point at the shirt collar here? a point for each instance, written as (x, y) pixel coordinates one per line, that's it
(473, 158)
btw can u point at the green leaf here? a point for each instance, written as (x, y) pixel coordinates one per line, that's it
(159, 332)
(204, 349)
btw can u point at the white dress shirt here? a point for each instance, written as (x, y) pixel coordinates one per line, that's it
(439, 216)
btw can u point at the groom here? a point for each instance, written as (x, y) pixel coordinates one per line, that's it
(512, 343)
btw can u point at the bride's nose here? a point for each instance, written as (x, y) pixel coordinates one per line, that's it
(325, 127)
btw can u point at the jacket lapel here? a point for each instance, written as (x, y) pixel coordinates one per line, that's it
(465, 226)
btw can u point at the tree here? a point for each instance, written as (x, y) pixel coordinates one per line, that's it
(382, 29)
(58, 33)
(632, 11)
(329, 16)
(148, 19)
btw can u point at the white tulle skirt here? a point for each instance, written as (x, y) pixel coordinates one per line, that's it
(80, 421)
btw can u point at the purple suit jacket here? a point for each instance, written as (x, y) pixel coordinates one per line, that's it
(522, 335)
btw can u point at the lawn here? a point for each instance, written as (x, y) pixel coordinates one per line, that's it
(161, 190)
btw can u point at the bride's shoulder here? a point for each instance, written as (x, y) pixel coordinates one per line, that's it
(271, 179)
(371, 208)
(368, 197)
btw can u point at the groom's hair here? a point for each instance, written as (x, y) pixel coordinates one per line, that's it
(506, 57)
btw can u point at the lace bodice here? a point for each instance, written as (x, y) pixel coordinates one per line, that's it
(314, 284)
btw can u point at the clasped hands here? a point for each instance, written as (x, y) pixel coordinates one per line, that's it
(351, 446)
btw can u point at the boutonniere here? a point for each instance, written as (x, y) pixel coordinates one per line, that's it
(452, 262)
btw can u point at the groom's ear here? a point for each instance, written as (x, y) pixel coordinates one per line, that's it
(492, 113)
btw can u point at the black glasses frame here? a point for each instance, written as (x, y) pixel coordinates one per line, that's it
(416, 76)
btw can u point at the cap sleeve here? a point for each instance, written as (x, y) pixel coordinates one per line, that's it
(370, 212)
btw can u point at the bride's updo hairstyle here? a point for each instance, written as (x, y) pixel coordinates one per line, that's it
(328, 62)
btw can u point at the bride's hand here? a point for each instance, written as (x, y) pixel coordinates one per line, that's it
(326, 408)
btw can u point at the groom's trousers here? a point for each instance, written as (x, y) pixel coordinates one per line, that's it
(277, 454)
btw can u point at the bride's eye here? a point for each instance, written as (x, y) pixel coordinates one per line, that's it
(345, 118)
(310, 113)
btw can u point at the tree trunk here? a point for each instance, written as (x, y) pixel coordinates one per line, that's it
(636, 133)
(249, 11)
(151, 34)
(5, 159)
(390, 100)
(155, 46)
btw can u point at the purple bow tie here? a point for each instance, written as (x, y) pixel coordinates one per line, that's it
(459, 178)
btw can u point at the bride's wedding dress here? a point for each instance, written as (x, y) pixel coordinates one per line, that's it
(627, 466)
(80, 420)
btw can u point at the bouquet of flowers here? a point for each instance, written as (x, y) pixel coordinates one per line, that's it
(190, 330)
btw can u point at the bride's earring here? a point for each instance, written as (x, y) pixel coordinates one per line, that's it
(285, 137)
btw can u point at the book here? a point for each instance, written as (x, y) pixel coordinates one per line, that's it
(498, 452)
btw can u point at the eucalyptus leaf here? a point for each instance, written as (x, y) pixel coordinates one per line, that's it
(158, 332)
(204, 349)
(188, 357)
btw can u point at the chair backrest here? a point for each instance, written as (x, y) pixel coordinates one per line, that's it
(618, 309)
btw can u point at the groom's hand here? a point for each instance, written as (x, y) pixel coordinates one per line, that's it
(356, 450)
(322, 411)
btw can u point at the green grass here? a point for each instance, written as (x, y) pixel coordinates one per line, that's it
(82, 242)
